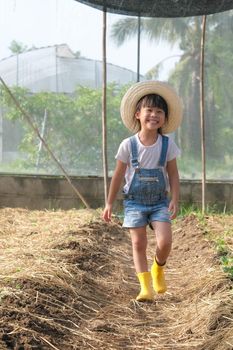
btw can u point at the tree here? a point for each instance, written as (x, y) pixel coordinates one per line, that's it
(219, 82)
(73, 128)
(186, 32)
(16, 47)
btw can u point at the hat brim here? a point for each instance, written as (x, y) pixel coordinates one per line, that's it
(137, 91)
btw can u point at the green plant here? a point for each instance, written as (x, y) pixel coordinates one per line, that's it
(225, 254)
(227, 265)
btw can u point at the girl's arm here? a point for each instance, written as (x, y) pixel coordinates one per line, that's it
(173, 177)
(116, 182)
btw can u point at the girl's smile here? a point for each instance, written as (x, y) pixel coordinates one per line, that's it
(151, 117)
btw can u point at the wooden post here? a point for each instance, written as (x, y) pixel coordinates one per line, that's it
(104, 123)
(138, 49)
(202, 114)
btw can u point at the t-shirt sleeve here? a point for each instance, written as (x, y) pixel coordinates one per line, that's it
(173, 150)
(123, 153)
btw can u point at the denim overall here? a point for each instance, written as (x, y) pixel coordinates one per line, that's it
(148, 186)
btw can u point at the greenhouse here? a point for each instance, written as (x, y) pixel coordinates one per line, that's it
(97, 250)
(51, 69)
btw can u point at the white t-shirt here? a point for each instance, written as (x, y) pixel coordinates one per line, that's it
(148, 157)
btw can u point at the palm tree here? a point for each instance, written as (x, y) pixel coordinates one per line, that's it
(219, 79)
(185, 32)
(16, 47)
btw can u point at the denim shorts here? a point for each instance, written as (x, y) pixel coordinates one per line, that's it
(139, 215)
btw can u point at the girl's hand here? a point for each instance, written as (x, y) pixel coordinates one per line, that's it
(107, 213)
(115, 185)
(173, 209)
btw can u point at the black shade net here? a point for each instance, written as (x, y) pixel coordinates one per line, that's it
(161, 8)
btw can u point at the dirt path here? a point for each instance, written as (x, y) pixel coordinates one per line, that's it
(68, 282)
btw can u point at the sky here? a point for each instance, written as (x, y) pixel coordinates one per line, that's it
(43, 23)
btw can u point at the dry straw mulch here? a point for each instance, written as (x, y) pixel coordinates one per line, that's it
(68, 282)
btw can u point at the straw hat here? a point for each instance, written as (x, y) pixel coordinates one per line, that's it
(138, 90)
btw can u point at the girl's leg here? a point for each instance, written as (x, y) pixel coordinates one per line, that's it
(163, 234)
(139, 245)
(164, 242)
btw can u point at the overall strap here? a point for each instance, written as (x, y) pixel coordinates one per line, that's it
(163, 154)
(134, 152)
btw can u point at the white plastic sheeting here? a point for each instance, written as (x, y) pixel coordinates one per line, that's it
(56, 69)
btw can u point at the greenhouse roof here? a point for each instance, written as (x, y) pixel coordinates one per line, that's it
(55, 68)
(161, 8)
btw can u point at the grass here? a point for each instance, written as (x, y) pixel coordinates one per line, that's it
(211, 209)
(224, 247)
(223, 241)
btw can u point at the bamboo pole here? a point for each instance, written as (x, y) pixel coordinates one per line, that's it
(202, 113)
(104, 123)
(35, 129)
(138, 49)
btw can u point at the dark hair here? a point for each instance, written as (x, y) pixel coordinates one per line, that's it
(153, 100)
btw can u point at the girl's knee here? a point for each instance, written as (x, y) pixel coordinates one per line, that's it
(164, 243)
(139, 245)
(139, 242)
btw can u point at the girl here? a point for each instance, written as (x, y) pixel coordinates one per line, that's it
(147, 160)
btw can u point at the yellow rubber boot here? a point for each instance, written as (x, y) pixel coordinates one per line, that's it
(157, 273)
(146, 293)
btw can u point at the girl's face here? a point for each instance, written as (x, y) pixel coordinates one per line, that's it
(150, 118)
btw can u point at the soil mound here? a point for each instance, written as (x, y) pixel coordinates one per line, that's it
(68, 282)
